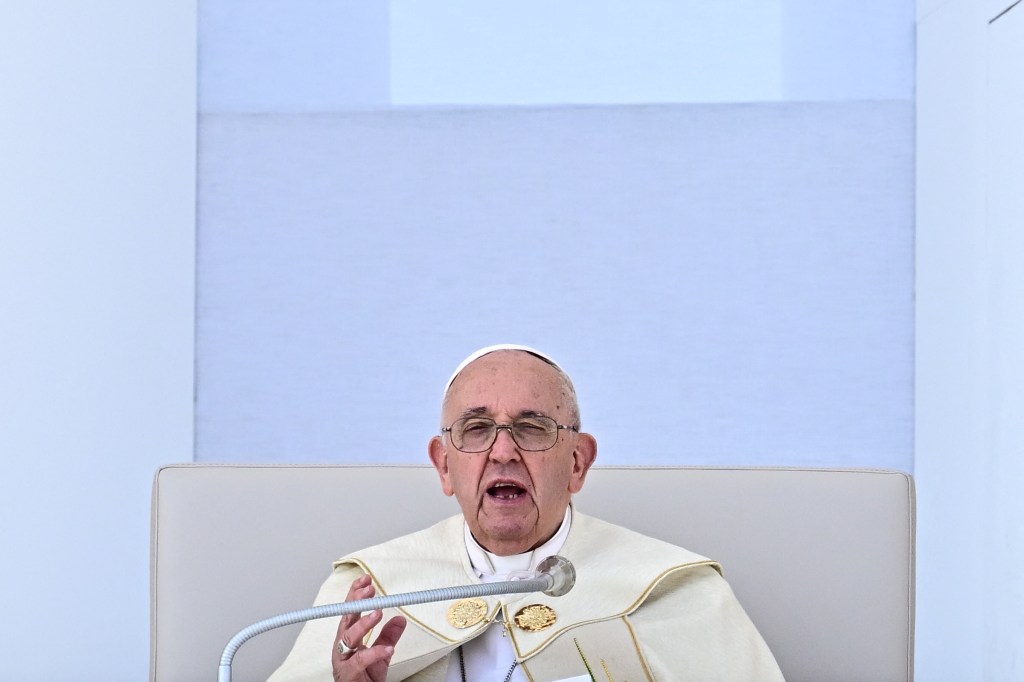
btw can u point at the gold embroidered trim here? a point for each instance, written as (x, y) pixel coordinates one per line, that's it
(523, 654)
(381, 591)
(639, 651)
(535, 617)
(466, 613)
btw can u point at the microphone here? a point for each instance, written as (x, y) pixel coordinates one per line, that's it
(555, 576)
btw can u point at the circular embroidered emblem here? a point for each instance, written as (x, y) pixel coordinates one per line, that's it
(535, 617)
(466, 613)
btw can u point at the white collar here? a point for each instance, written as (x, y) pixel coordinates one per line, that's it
(490, 567)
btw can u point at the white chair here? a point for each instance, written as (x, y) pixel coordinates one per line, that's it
(822, 559)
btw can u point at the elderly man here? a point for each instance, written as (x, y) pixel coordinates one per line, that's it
(512, 453)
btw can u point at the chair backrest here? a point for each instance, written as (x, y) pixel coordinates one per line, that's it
(822, 559)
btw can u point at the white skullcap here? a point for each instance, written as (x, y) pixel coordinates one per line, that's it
(476, 355)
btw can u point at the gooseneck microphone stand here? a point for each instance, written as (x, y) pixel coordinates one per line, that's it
(555, 577)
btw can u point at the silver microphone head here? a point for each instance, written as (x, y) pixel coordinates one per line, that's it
(563, 575)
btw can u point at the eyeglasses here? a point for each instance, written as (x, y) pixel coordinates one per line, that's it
(533, 434)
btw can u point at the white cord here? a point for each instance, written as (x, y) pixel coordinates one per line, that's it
(542, 583)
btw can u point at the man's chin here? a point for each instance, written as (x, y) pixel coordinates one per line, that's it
(507, 539)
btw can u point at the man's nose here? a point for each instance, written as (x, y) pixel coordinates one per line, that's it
(504, 448)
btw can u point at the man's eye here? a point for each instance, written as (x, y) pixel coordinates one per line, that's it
(531, 426)
(470, 427)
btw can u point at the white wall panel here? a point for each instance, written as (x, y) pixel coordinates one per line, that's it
(847, 49)
(97, 247)
(969, 427)
(926, 7)
(951, 363)
(324, 55)
(300, 55)
(1004, 236)
(580, 51)
(728, 284)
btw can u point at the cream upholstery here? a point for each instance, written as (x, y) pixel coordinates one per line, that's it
(823, 560)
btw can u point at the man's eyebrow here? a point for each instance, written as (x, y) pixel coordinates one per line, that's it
(477, 411)
(531, 413)
(473, 412)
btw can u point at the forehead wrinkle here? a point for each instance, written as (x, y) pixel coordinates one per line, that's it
(478, 411)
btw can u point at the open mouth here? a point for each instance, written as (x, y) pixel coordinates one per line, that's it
(506, 490)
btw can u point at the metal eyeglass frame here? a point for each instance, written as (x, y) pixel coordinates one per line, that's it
(509, 427)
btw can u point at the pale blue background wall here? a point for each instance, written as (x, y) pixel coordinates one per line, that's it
(97, 272)
(738, 273)
(969, 458)
(97, 126)
(729, 284)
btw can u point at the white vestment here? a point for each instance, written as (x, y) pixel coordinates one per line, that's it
(641, 609)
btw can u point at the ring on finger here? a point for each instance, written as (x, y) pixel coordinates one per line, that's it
(344, 649)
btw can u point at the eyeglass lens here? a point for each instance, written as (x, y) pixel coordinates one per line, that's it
(476, 434)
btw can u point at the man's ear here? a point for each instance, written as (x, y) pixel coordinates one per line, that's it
(439, 457)
(583, 458)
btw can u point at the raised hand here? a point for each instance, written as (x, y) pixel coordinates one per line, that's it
(351, 659)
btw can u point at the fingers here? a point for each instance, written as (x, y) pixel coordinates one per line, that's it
(370, 663)
(375, 660)
(361, 588)
(364, 662)
(391, 632)
(355, 634)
